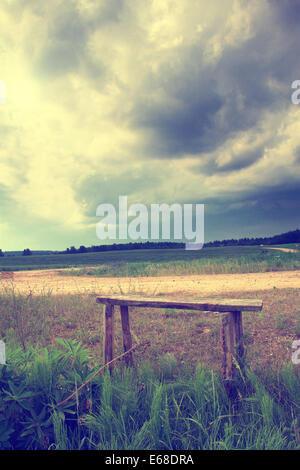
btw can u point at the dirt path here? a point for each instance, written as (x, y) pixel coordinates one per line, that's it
(203, 284)
(286, 250)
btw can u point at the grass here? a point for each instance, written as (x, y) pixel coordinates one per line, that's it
(136, 263)
(142, 409)
(175, 399)
(209, 263)
(189, 336)
(111, 257)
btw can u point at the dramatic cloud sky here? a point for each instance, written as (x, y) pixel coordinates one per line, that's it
(169, 101)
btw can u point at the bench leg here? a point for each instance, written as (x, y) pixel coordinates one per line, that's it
(127, 339)
(232, 342)
(238, 334)
(108, 346)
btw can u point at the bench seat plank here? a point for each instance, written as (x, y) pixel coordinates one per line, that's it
(209, 305)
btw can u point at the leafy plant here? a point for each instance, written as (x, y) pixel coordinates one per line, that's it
(140, 409)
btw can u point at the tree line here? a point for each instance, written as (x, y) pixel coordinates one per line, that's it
(284, 238)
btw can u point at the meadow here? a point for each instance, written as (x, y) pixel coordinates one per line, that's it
(174, 398)
(141, 409)
(159, 262)
(55, 394)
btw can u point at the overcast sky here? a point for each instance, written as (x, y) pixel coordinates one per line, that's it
(183, 101)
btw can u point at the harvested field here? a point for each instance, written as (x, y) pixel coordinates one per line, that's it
(71, 312)
(202, 284)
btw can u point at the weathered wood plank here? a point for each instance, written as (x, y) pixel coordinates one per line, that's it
(232, 343)
(210, 305)
(231, 322)
(227, 345)
(127, 339)
(108, 343)
(238, 335)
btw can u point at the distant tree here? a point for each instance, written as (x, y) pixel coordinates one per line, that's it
(27, 252)
(73, 249)
(1, 252)
(82, 249)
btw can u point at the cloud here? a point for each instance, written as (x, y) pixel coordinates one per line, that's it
(57, 59)
(63, 48)
(195, 107)
(99, 189)
(287, 13)
(168, 101)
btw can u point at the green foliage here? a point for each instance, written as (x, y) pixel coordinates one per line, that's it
(27, 252)
(140, 409)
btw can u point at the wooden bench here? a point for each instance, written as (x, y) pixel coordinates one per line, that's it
(231, 323)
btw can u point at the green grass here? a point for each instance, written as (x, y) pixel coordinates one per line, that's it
(159, 262)
(206, 261)
(121, 257)
(143, 409)
(166, 403)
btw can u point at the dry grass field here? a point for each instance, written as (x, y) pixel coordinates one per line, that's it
(200, 285)
(175, 397)
(65, 307)
(193, 337)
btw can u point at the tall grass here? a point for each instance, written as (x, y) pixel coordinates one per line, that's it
(29, 319)
(24, 317)
(216, 264)
(140, 409)
(166, 407)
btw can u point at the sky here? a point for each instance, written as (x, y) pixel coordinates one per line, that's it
(165, 101)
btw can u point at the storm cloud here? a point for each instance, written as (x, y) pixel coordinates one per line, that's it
(174, 101)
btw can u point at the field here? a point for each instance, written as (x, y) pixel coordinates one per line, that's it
(122, 257)
(160, 262)
(53, 330)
